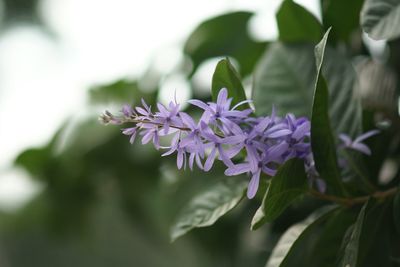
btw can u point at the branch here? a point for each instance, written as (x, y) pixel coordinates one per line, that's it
(346, 201)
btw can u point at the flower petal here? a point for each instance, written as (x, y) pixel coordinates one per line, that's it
(253, 185)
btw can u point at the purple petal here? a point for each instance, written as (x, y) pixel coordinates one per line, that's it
(141, 111)
(263, 124)
(268, 171)
(224, 157)
(237, 169)
(162, 109)
(279, 133)
(127, 110)
(222, 96)
(180, 159)
(200, 104)
(191, 160)
(253, 185)
(276, 151)
(198, 162)
(361, 147)
(301, 131)
(366, 135)
(237, 113)
(129, 131)
(132, 138)
(187, 120)
(210, 160)
(345, 139)
(252, 158)
(147, 137)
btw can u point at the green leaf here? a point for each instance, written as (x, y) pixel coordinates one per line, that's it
(346, 23)
(206, 208)
(36, 160)
(297, 24)
(286, 186)
(225, 76)
(291, 245)
(350, 255)
(222, 36)
(396, 211)
(381, 19)
(284, 78)
(375, 239)
(322, 140)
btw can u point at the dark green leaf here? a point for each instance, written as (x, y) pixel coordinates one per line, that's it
(225, 76)
(289, 250)
(287, 185)
(381, 19)
(206, 208)
(296, 24)
(322, 140)
(350, 254)
(285, 78)
(374, 245)
(396, 211)
(225, 35)
(346, 23)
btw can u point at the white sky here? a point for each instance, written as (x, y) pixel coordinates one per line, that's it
(44, 79)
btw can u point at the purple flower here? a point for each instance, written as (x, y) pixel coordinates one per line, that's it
(215, 143)
(192, 142)
(130, 132)
(221, 109)
(268, 142)
(357, 143)
(166, 117)
(127, 111)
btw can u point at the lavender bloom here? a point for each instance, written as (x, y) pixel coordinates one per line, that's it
(223, 132)
(221, 109)
(166, 117)
(357, 143)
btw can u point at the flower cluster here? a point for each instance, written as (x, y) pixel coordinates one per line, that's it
(223, 133)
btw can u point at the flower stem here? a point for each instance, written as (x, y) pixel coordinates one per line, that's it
(347, 201)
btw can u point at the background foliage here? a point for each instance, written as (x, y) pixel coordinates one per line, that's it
(108, 203)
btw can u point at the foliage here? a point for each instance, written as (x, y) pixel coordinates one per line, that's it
(312, 70)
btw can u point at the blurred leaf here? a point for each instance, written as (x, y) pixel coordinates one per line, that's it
(36, 160)
(396, 211)
(225, 35)
(286, 186)
(205, 209)
(322, 140)
(374, 245)
(346, 23)
(381, 19)
(350, 254)
(122, 91)
(297, 24)
(258, 219)
(293, 242)
(225, 76)
(285, 78)
(327, 244)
